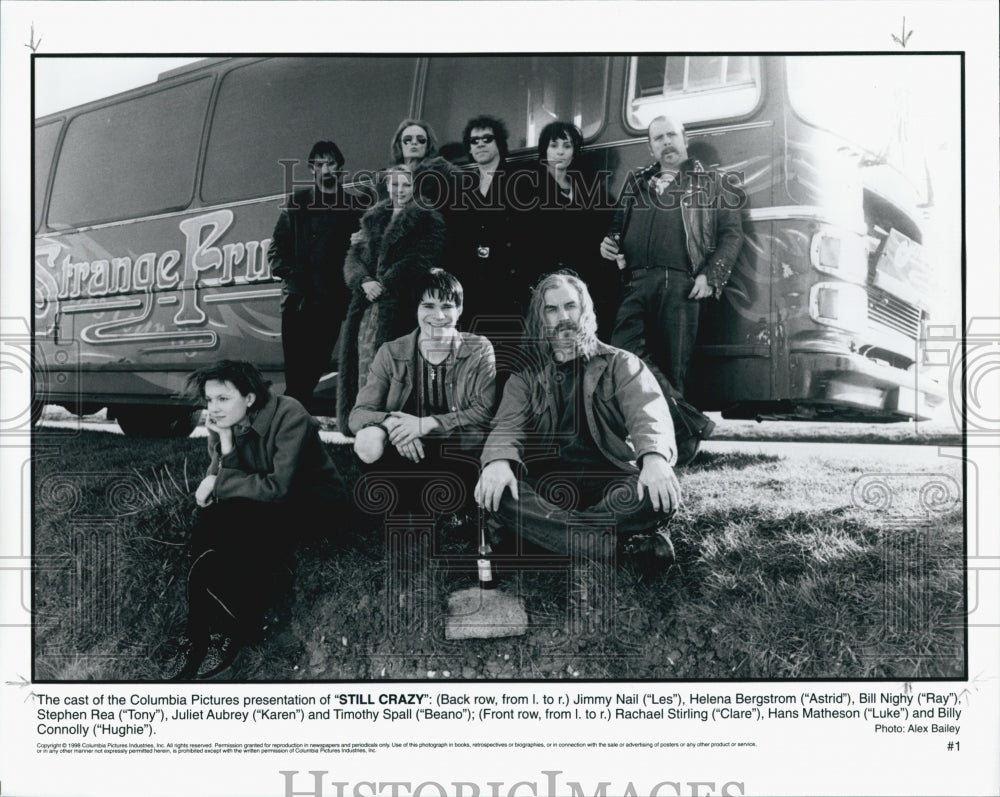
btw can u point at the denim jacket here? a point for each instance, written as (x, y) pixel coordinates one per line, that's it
(470, 387)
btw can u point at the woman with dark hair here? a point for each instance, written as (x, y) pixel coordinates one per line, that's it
(267, 465)
(571, 212)
(415, 146)
(399, 242)
(559, 145)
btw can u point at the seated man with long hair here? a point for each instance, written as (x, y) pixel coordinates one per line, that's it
(582, 446)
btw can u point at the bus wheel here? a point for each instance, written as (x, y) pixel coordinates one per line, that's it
(137, 420)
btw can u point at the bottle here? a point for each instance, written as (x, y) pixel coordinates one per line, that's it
(619, 256)
(486, 579)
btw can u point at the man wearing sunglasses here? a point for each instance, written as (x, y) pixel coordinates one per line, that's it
(486, 230)
(307, 253)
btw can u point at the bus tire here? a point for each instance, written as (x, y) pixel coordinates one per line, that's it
(137, 420)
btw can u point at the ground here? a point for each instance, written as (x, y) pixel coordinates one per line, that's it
(808, 566)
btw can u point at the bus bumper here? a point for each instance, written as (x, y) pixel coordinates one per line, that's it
(856, 382)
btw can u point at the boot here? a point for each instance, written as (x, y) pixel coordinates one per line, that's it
(193, 649)
(221, 657)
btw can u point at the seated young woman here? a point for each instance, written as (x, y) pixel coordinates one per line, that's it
(268, 471)
(428, 400)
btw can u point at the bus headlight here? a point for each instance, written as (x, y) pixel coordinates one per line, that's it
(842, 254)
(839, 304)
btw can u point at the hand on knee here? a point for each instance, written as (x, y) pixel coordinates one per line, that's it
(369, 444)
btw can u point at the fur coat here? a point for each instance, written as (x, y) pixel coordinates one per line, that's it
(434, 183)
(397, 252)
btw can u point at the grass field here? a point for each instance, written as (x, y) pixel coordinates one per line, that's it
(819, 568)
(942, 430)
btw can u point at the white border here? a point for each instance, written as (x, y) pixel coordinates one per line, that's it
(824, 762)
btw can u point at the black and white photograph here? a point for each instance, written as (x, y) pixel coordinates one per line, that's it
(550, 394)
(631, 382)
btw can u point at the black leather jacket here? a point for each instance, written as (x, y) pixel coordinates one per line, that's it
(710, 211)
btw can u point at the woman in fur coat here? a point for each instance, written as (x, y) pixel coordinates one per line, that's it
(399, 243)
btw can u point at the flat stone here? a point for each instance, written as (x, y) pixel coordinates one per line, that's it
(476, 613)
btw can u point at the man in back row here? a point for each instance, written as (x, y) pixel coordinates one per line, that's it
(677, 234)
(488, 243)
(307, 253)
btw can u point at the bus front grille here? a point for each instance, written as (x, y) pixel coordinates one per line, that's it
(886, 310)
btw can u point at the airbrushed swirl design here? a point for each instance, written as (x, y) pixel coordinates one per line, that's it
(46, 297)
(872, 492)
(376, 494)
(941, 494)
(61, 493)
(124, 495)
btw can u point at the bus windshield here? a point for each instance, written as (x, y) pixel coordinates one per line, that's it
(896, 107)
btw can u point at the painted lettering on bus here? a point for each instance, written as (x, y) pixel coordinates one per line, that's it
(205, 263)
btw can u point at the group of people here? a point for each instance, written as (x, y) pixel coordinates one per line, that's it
(496, 227)
(570, 446)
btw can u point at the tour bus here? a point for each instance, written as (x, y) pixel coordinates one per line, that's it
(153, 211)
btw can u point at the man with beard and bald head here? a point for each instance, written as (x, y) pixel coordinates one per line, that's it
(582, 446)
(676, 237)
(307, 253)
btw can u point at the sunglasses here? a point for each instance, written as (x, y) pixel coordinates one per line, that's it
(488, 138)
(414, 139)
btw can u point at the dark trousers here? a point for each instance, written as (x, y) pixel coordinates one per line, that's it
(239, 563)
(307, 340)
(440, 483)
(658, 323)
(577, 514)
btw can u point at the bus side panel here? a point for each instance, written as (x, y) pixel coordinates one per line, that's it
(734, 358)
(739, 336)
(144, 303)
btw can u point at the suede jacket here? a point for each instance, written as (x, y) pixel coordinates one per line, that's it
(469, 386)
(626, 412)
(710, 212)
(276, 457)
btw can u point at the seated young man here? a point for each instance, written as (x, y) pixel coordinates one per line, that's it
(425, 408)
